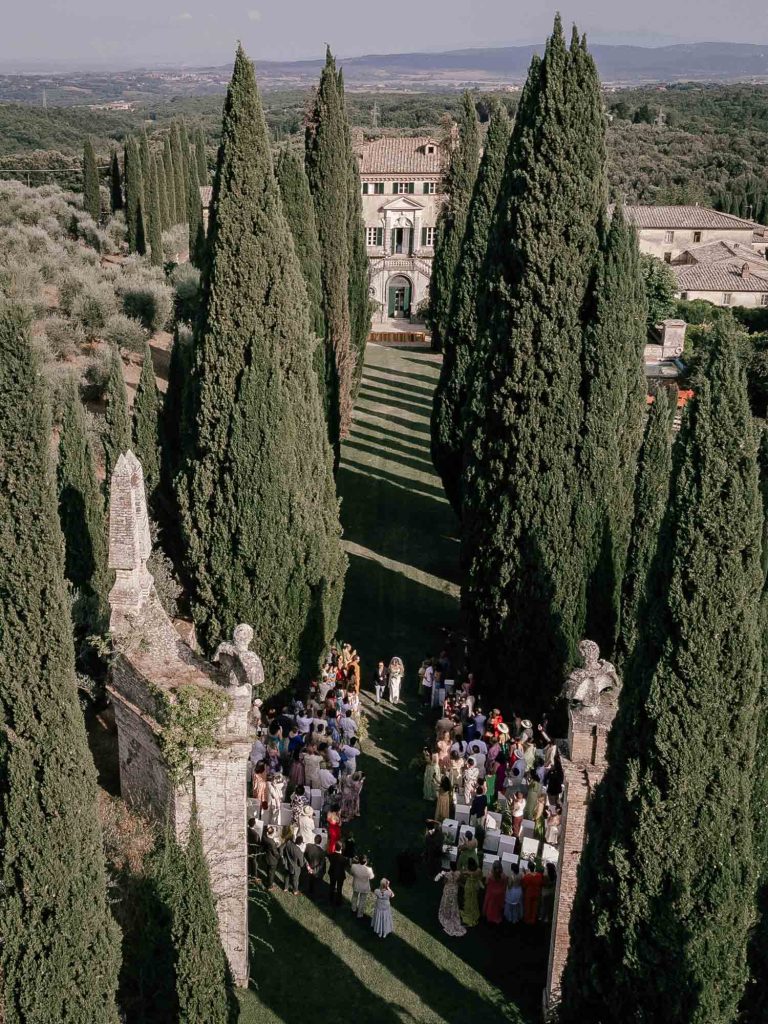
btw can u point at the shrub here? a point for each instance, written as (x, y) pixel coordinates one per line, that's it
(63, 337)
(75, 281)
(175, 242)
(97, 374)
(93, 307)
(125, 332)
(150, 302)
(186, 284)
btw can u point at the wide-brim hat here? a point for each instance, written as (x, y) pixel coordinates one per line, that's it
(526, 724)
(504, 728)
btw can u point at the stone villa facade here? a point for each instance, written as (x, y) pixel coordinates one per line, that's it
(401, 181)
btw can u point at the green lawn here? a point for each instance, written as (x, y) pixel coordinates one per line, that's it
(401, 588)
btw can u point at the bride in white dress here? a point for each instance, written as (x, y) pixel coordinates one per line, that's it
(382, 910)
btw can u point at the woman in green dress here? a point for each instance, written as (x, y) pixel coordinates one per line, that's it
(432, 776)
(473, 883)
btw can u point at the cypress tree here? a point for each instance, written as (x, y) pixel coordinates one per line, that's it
(460, 336)
(523, 574)
(614, 402)
(259, 512)
(115, 184)
(155, 216)
(179, 180)
(146, 411)
(452, 221)
(146, 172)
(133, 190)
(170, 181)
(175, 425)
(300, 214)
(204, 990)
(327, 162)
(91, 194)
(666, 891)
(60, 954)
(117, 436)
(162, 191)
(81, 512)
(195, 218)
(200, 156)
(651, 499)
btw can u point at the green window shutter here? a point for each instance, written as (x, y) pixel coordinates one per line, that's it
(391, 301)
(411, 186)
(407, 300)
(394, 188)
(380, 188)
(423, 236)
(379, 236)
(425, 188)
(365, 188)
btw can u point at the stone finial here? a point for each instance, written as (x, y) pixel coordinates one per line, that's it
(240, 666)
(596, 685)
(130, 544)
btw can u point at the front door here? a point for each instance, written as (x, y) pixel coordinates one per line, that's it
(399, 239)
(400, 298)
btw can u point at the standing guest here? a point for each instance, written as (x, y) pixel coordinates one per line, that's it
(427, 680)
(432, 776)
(478, 757)
(334, 831)
(349, 752)
(518, 813)
(307, 825)
(362, 873)
(473, 883)
(456, 770)
(444, 806)
(495, 893)
(470, 780)
(448, 914)
(467, 851)
(555, 780)
(539, 816)
(347, 726)
(350, 796)
(533, 883)
(396, 673)
(513, 901)
(338, 865)
(547, 904)
(259, 784)
(433, 842)
(315, 860)
(381, 922)
(479, 804)
(271, 854)
(312, 763)
(292, 856)
(326, 779)
(276, 789)
(532, 797)
(296, 771)
(304, 722)
(444, 753)
(380, 681)
(299, 801)
(333, 757)
(552, 829)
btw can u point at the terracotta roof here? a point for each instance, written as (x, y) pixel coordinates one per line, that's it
(206, 191)
(685, 217)
(720, 252)
(723, 276)
(398, 155)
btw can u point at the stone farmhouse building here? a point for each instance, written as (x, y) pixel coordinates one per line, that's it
(666, 231)
(401, 181)
(723, 273)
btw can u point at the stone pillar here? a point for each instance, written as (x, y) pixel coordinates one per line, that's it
(415, 249)
(592, 693)
(151, 665)
(387, 233)
(672, 338)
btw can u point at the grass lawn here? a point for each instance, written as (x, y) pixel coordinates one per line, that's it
(400, 535)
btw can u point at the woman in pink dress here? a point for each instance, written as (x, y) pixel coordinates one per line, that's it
(334, 831)
(495, 891)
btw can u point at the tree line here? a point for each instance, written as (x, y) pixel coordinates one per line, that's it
(581, 514)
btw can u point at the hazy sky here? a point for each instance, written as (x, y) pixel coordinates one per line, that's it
(129, 32)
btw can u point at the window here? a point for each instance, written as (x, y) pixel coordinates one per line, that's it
(429, 188)
(667, 257)
(400, 188)
(669, 236)
(697, 236)
(378, 188)
(428, 237)
(374, 236)
(684, 296)
(373, 188)
(764, 299)
(727, 298)
(430, 149)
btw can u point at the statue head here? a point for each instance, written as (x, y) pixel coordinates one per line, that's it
(595, 685)
(242, 636)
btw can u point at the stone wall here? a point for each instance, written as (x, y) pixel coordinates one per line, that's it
(151, 666)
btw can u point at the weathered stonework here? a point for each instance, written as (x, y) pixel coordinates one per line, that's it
(592, 693)
(152, 664)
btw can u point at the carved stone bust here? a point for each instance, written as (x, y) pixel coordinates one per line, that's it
(596, 685)
(240, 666)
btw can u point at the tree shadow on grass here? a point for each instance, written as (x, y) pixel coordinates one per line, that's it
(392, 393)
(400, 374)
(401, 421)
(414, 391)
(385, 448)
(416, 487)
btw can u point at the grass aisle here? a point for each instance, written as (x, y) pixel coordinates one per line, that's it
(402, 587)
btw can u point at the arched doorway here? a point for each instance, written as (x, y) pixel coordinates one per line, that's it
(399, 296)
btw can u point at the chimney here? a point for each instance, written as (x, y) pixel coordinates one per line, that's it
(745, 270)
(672, 338)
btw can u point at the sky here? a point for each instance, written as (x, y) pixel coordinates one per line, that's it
(118, 34)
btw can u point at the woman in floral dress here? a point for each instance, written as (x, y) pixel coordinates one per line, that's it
(473, 883)
(448, 914)
(381, 922)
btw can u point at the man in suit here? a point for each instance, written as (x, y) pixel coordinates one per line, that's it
(292, 856)
(337, 871)
(271, 853)
(315, 860)
(380, 678)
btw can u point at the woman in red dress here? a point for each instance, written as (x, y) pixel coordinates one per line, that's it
(533, 881)
(495, 891)
(334, 831)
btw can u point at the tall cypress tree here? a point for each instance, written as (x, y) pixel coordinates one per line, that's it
(179, 179)
(115, 184)
(146, 437)
(614, 402)
(175, 425)
(91, 194)
(117, 436)
(460, 337)
(81, 512)
(650, 505)
(170, 181)
(134, 198)
(666, 891)
(162, 191)
(300, 213)
(60, 954)
(155, 216)
(259, 473)
(328, 161)
(452, 221)
(523, 574)
(195, 218)
(201, 158)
